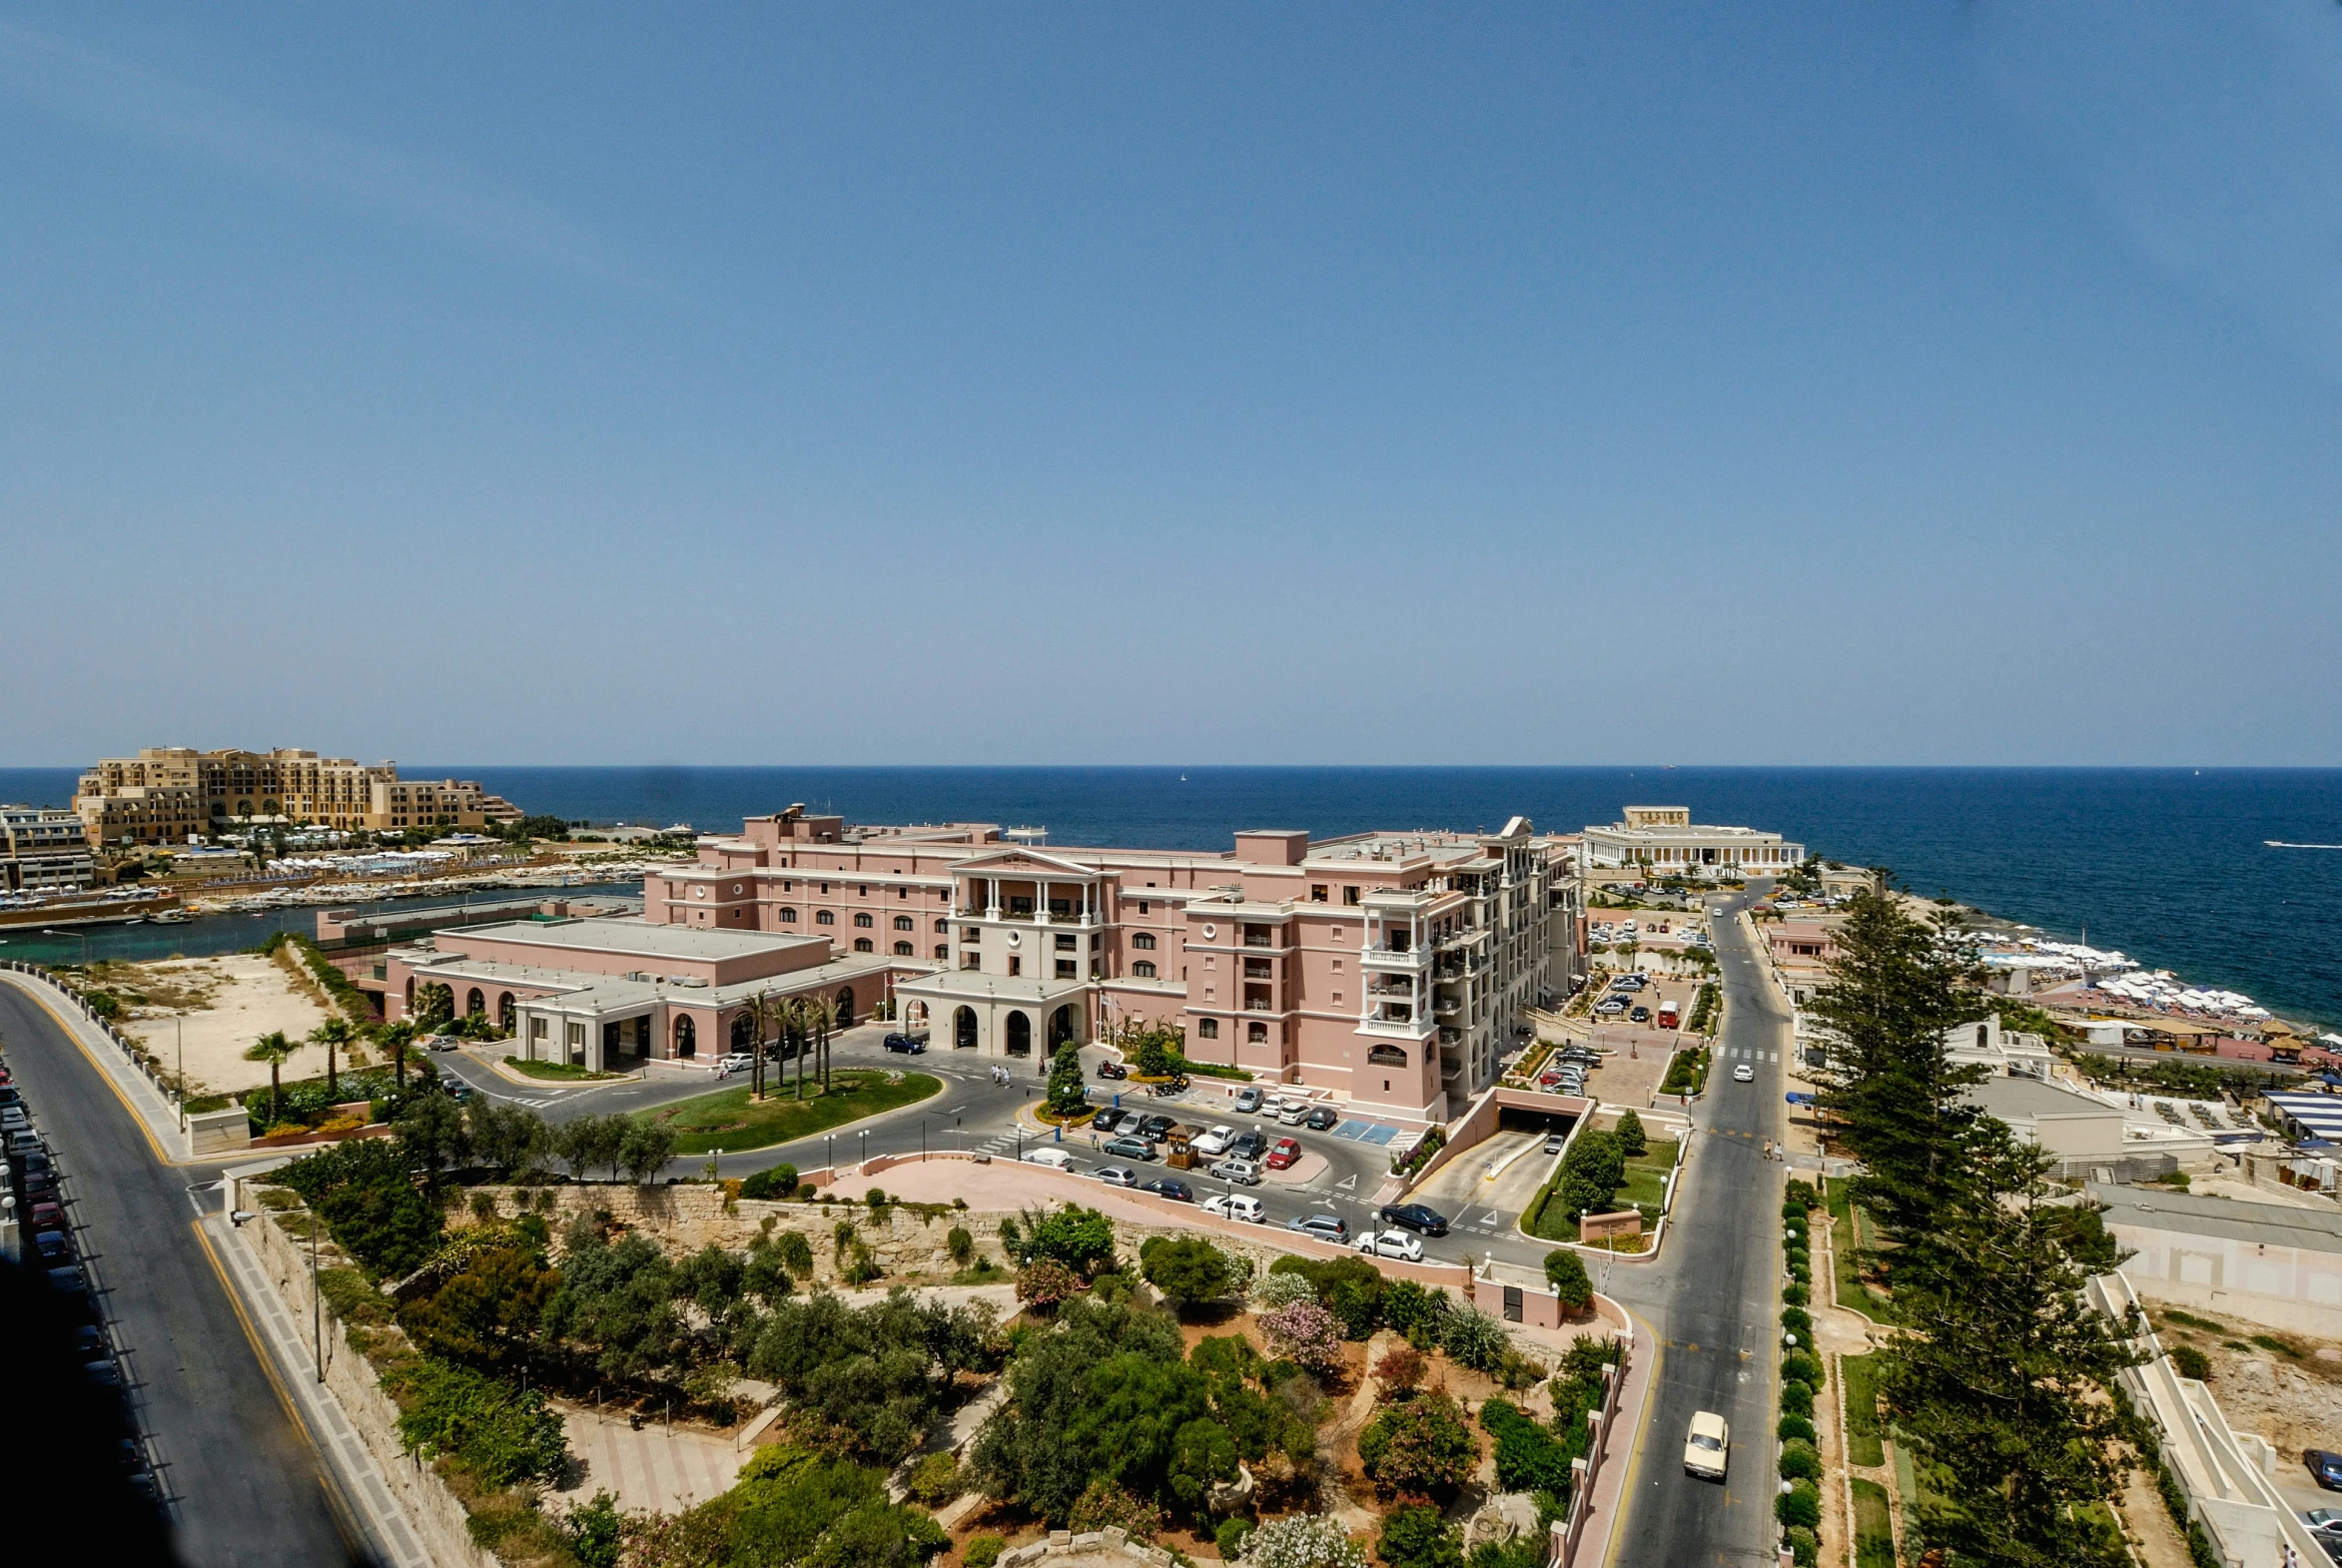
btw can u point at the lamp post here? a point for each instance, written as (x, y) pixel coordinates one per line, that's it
(180, 1029)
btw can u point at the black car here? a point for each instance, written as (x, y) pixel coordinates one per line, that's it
(2325, 1467)
(51, 1243)
(1156, 1127)
(1108, 1120)
(1322, 1119)
(89, 1343)
(1250, 1146)
(10, 1095)
(906, 1045)
(1178, 1191)
(1415, 1216)
(1113, 1070)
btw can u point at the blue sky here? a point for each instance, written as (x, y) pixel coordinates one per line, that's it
(1951, 382)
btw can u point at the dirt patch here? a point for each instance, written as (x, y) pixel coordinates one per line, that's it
(222, 1005)
(2275, 1384)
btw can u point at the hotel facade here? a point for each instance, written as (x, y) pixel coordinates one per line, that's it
(166, 793)
(1665, 841)
(1395, 969)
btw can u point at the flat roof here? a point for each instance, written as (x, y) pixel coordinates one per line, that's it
(633, 935)
(2017, 1096)
(2232, 1219)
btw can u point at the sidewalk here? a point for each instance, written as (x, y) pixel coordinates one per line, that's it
(290, 1360)
(1622, 1448)
(156, 1115)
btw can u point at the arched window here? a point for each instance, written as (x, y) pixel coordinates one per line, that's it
(505, 1012)
(475, 1004)
(1388, 1056)
(904, 949)
(787, 916)
(943, 928)
(863, 945)
(822, 917)
(1061, 1026)
(1208, 1028)
(905, 922)
(687, 1041)
(743, 1031)
(1143, 941)
(845, 1007)
(1256, 1034)
(943, 951)
(863, 921)
(964, 1028)
(1143, 970)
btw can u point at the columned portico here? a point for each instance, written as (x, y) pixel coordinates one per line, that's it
(1015, 1019)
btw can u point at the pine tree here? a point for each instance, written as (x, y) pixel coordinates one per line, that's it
(1897, 985)
(1066, 1092)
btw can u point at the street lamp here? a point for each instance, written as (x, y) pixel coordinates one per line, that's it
(181, 1025)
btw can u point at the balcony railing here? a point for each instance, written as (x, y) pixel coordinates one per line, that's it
(1383, 957)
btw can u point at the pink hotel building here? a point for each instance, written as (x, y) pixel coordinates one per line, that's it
(1393, 968)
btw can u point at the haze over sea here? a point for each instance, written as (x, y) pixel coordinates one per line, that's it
(2168, 865)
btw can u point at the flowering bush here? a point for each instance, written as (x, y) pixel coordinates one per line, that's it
(1307, 1334)
(1279, 1291)
(1400, 1369)
(1105, 1506)
(1303, 1541)
(1422, 1448)
(1044, 1282)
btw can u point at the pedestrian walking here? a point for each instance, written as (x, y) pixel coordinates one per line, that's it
(1768, 1148)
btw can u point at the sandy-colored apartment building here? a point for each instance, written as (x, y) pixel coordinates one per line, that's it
(166, 793)
(1394, 968)
(42, 851)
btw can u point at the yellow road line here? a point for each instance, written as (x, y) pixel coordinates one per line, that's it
(99, 1067)
(345, 1521)
(1634, 1466)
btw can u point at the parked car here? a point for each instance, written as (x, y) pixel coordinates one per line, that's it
(1416, 1216)
(1118, 1176)
(1249, 1099)
(1322, 1118)
(14, 1119)
(51, 1244)
(1610, 1007)
(1282, 1153)
(1127, 1149)
(1215, 1142)
(1158, 1127)
(2325, 1467)
(1639, 1016)
(1554, 1142)
(1325, 1227)
(1171, 1187)
(10, 1095)
(1110, 1120)
(1392, 1243)
(1243, 1172)
(1250, 1143)
(68, 1279)
(2325, 1521)
(48, 1217)
(89, 1343)
(906, 1045)
(23, 1142)
(1708, 1448)
(1113, 1070)
(1296, 1111)
(1743, 1074)
(1055, 1159)
(734, 1062)
(1236, 1206)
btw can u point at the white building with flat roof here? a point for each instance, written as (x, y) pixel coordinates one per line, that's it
(1665, 841)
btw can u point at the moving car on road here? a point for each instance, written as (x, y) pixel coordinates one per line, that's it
(1415, 1216)
(1743, 1074)
(1113, 1070)
(906, 1045)
(1708, 1449)
(733, 1062)
(1236, 1206)
(1325, 1227)
(1392, 1243)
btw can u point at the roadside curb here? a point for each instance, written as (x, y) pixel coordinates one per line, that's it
(156, 1116)
(557, 1085)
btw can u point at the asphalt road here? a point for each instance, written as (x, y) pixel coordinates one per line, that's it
(246, 1485)
(1714, 1296)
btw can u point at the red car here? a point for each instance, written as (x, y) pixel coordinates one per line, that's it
(48, 1217)
(1282, 1153)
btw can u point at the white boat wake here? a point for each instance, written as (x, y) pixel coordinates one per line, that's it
(2281, 844)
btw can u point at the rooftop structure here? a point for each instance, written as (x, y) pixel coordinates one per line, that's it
(1663, 841)
(165, 794)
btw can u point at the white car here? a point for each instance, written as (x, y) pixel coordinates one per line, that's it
(1392, 1243)
(1295, 1113)
(1743, 1074)
(734, 1062)
(1055, 1159)
(1243, 1172)
(1215, 1142)
(1709, 1447)
(1236, 1206)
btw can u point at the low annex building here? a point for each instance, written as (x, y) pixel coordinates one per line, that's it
(2275, 1265)
(1396, 968)
(1665, 841)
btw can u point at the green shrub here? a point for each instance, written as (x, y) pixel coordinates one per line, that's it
(935, 1480)
(1797, 1399)
(1795, 1295)
(2191, 1363)
(1804, 1545)
(1799, 1507)
(780, 1182)
(1799, 1323)
(1229, 1537)
(1799, 1367)
(1794, 1426)
(496, 1432)
(1800, 1461)
(983, 1551)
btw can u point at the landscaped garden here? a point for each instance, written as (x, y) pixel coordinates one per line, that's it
(732, 1119)
(1604, 1171)
(557, 1072)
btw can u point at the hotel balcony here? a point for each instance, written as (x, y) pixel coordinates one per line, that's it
(1448, 1009)
(1404, 960)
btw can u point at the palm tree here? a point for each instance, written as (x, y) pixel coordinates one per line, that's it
(272, 1047)
(395, 1038)
(764, 1010)
(794, 1028)
(821, 1016)
(333, 1034)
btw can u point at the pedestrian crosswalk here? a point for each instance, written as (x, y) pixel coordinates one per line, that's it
(1748, 1054)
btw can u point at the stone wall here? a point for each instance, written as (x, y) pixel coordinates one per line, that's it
(432, 1509)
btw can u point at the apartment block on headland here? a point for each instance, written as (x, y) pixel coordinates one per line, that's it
(166, 793)
(1665, 841)
(1392, 967)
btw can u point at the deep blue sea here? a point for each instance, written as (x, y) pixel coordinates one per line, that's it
(2168, 865)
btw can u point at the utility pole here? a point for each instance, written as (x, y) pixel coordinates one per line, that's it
(181, 1022)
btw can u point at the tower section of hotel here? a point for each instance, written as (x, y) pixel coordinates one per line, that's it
(1394, 968)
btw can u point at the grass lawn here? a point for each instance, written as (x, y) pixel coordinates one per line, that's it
(1863, 1445)
(728, 1119)
(1874, 1527)
(565, 1071)
(1850, 1242)
(1646, 1185)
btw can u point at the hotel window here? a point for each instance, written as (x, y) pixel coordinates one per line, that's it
(1316, 892)
(863, 921)
(1337, 999)
(943, 952)
(902, 950)
(1208, 1028)
(972, 933)
(1016, 964)
(863, 890)
(862, 945)
(1144, 941)
(901, 892)
(822, 917)
(1257, 1035)
(1066, 943)
(1337, 966)
(967, 959)
(1143, 970)
(905, 922)
(943, 928)
(1349, 895)
(1142, 902)
(1066, 968)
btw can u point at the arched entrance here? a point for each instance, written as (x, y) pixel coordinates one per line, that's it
(1020, 1035)
(506, 1013)
(845, 1007)
(963, 1028)
(743, 1031)
(686, 1043)
(1061, 1026)
(475, 1004)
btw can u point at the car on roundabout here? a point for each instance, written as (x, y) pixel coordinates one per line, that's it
(1392, 1243)
(907, 1044)
(1416, 1216)
(1113, 1070)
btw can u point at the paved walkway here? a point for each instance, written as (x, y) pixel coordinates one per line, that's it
(659, 1468)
